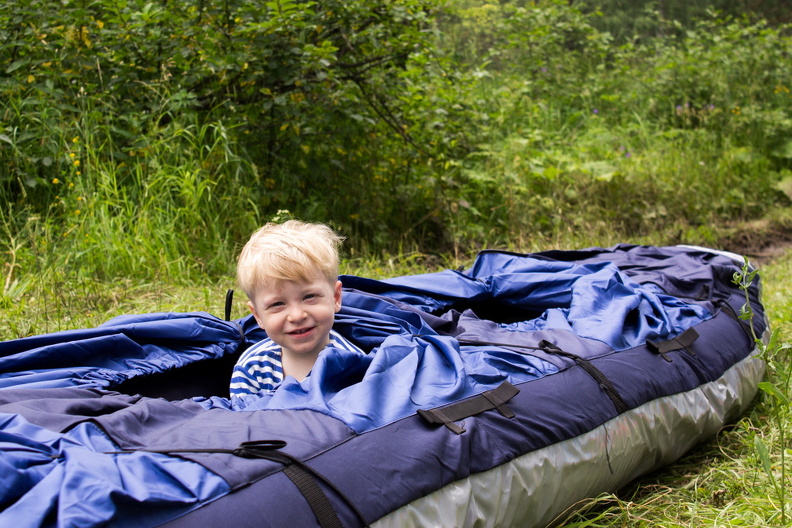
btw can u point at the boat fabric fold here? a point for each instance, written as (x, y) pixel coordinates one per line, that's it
(123, 348)
(69, 479)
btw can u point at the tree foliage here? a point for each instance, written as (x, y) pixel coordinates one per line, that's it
(403, 123)
(313, 92)
(627, 19)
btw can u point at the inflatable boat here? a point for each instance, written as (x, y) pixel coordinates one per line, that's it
(498, 395)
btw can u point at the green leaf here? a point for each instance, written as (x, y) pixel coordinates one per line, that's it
(783, 151)
(774, 391)
(17, 64)
(601, 170)
(764, 457)
(785, 186)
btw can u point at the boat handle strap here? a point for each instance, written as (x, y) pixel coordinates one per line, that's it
(303, 476)
(683, 340)
(493, 399)
(551, 348)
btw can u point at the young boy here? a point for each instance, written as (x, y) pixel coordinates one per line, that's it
(289, 272)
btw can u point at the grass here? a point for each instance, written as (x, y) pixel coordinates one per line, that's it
(531, 127)
(57, 300)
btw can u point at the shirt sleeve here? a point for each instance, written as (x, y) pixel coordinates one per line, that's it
(242, 382)
(258, 369)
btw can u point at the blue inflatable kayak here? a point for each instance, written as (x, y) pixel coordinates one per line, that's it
(499, 395)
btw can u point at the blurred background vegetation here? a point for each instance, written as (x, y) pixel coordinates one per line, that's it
(148, 139)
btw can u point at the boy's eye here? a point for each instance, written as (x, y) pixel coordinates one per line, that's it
(311, 296)
(276, 304)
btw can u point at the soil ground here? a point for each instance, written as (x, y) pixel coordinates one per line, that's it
(761, 241)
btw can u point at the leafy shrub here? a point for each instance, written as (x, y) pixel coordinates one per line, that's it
(306, 95)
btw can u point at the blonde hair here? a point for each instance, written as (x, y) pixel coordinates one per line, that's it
(291, 251)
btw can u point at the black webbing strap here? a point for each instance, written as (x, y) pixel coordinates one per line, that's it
(317, 500)
(550, 348)
(229, 301)
(604, 383)
(683, 340)
(492, 399)
(305, 478)
(744, 325)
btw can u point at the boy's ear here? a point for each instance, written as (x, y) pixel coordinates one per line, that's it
(252, 309)
(337, 295)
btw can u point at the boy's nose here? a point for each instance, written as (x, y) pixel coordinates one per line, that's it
(296, 313)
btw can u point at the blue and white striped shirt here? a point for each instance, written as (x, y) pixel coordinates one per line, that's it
(259, 368)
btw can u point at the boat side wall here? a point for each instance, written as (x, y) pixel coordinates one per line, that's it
(531, 490)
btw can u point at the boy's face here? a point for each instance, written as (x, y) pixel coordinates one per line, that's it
(298, 316)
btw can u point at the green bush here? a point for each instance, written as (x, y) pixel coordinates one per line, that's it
(269, 105)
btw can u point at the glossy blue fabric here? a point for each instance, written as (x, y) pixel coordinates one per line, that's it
(54, 479)
(420, 369)
(123, 348)
(595, 300)
(405, 374)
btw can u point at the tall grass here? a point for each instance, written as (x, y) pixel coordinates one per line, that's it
(525, 129)
(175, 206)
(688, 131)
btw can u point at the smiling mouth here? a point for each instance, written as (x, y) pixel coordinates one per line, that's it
(301, 331)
